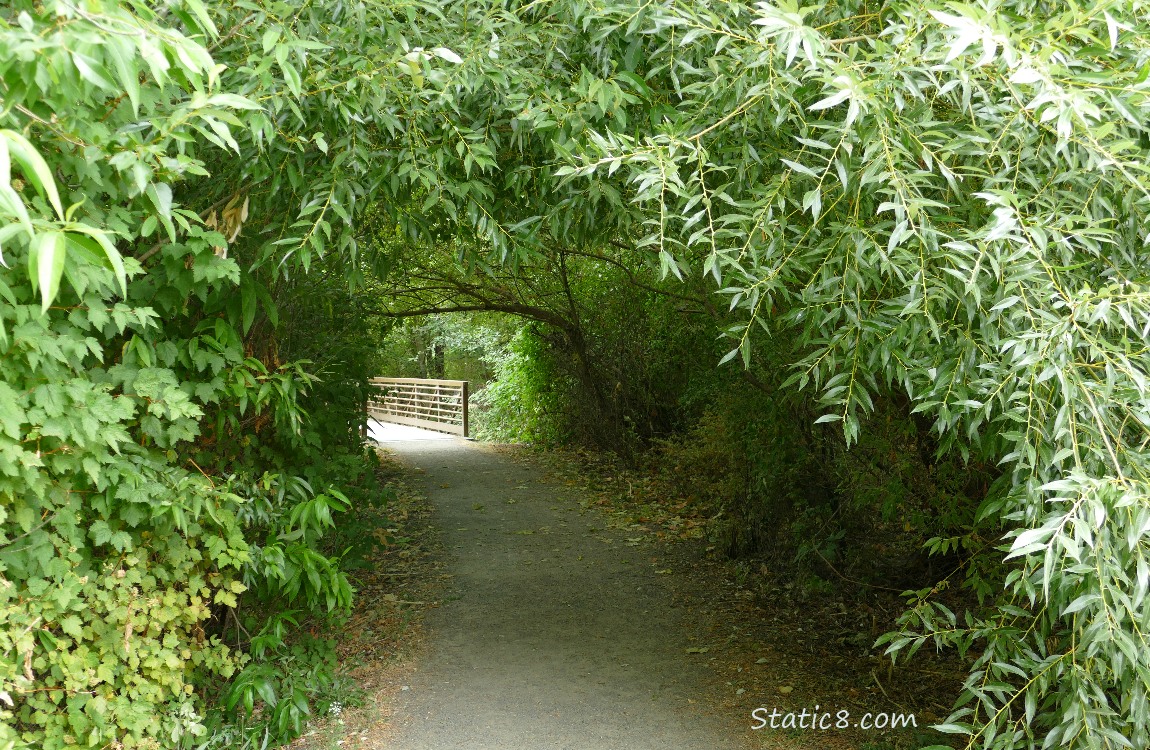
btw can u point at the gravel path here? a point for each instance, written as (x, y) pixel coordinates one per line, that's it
(555, 635)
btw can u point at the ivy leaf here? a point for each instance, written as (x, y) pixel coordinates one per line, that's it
(121, 540)
(72, 625)
(26, 517)
(100, 532)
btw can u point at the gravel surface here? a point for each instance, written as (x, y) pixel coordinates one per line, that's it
(556, 634)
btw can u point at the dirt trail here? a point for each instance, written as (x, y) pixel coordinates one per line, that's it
(555, 634)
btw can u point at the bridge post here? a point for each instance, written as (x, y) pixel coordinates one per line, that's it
(366, 411)
(465, 394)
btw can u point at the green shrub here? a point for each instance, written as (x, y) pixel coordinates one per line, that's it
(139, 433)
(113, 554)
(524, 401)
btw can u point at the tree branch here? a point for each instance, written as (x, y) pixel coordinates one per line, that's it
(524, 311)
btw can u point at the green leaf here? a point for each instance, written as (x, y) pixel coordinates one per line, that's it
(836, 98)
(232, 101)
(1081, 603)
(266, 691)
(248, 303)
(110, 254)
(121, 540)
(447, 54)
(1029, 541)
(950, 728)
(121, 54)
(9, 231)
(26, 517)
(91, 72)
(46, 265)
(73, 626)
(161, 197)
(203, 17)
(99, 532)
(270, 37)
(291, 75)
(34, 166)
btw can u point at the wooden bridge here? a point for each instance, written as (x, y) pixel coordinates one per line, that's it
(439, 405)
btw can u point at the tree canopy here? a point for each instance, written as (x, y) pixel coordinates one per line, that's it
(944, 201)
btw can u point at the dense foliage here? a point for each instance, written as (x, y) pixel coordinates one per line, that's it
(162, 500)
(949, 203)
(943, 207)
(909, 207)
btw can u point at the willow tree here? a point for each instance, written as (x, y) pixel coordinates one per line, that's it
(951, 201)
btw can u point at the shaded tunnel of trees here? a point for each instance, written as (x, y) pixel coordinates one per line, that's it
(865, 282)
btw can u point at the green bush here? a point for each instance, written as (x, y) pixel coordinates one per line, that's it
(145, 441)
(114, 555)
(523, 402)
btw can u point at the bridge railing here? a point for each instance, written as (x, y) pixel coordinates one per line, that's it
(431, 404)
